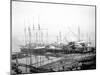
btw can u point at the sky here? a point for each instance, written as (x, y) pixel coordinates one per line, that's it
(53, 18)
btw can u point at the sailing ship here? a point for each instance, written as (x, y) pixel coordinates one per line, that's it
(71, 56)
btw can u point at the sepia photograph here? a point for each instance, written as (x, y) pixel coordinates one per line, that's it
(52, 37)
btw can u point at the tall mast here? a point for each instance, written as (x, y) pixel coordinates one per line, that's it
(78, 33)
(29, 35)
(36, 37)
(25, 42)
(25, 33)
(47, 38)
(89, 39)
(40, 39)
(60, 37)
(39, 31)
(34, 40)
(57, 38)
(30, 45)
(33, 32)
